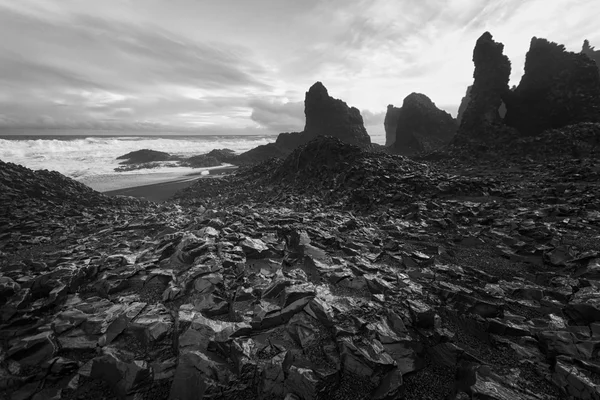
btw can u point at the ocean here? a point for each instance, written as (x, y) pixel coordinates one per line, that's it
(92, 158)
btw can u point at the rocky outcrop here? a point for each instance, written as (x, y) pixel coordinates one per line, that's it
(144, 156)
(325, 116)
(490, 86)
(422, 126)
(558, 88)
(390, 123)
(328, 116)
(464, 103)
(591, 52)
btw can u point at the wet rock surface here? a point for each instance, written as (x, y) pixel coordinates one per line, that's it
(337, 273)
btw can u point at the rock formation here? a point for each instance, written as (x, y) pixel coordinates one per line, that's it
(558, 88)
(490, 86)
(421, 126)
(464, 103)
(591, 52)
(332, 117)
(390, 123)
(325, 116)
(144, 156)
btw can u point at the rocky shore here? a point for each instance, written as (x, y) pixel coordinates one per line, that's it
(333, 271)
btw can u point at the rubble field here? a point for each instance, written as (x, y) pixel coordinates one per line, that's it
(337, 273)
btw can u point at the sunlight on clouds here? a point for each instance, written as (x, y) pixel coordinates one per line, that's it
(150, 62)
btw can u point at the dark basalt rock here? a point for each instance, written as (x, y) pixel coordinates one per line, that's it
(592, 53)
(558, 88)
(422, 126)
(332, 117)
(390, 123)
(490, 86)
(464, 103)
(145, 156)
(325, 116)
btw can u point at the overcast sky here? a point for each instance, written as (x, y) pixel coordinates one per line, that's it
(234, 66)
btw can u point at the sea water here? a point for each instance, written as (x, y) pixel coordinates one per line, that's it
(91, 156)
(83, 156)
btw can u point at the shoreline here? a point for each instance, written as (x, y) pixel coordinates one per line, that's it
(156, 187)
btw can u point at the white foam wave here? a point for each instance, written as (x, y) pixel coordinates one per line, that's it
(90, 156)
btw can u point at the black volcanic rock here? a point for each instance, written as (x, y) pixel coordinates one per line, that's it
(592, 53)
(390, 123)
(422, 126)
(214, 158)
(223, 155)
(490, 86)
(291, 140)
(558, 88)
(332, 117)
(464, 103)
(262, 153)
(325, 116)
(145, 156)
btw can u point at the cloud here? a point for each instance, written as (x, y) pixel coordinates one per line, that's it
(230, 65)
(278, 116)
(84, 67)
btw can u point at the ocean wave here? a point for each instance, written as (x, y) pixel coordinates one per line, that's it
(89, 156)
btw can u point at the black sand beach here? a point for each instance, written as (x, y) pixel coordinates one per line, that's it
(160, 192)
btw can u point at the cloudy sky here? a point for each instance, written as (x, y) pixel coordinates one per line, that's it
(241, 66)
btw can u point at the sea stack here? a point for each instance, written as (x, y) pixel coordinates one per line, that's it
(390, 123)
(490, 86)
(558, 88)
(422, 126)
(332, 117)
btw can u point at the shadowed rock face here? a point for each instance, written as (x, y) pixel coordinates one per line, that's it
(332, 117)
(390, 123)
(464, 103)
(558, 88)
(422, 126)
(490, 85)
(592, 53)
(325, 116)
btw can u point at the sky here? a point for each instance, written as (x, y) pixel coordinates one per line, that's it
(243, 67)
